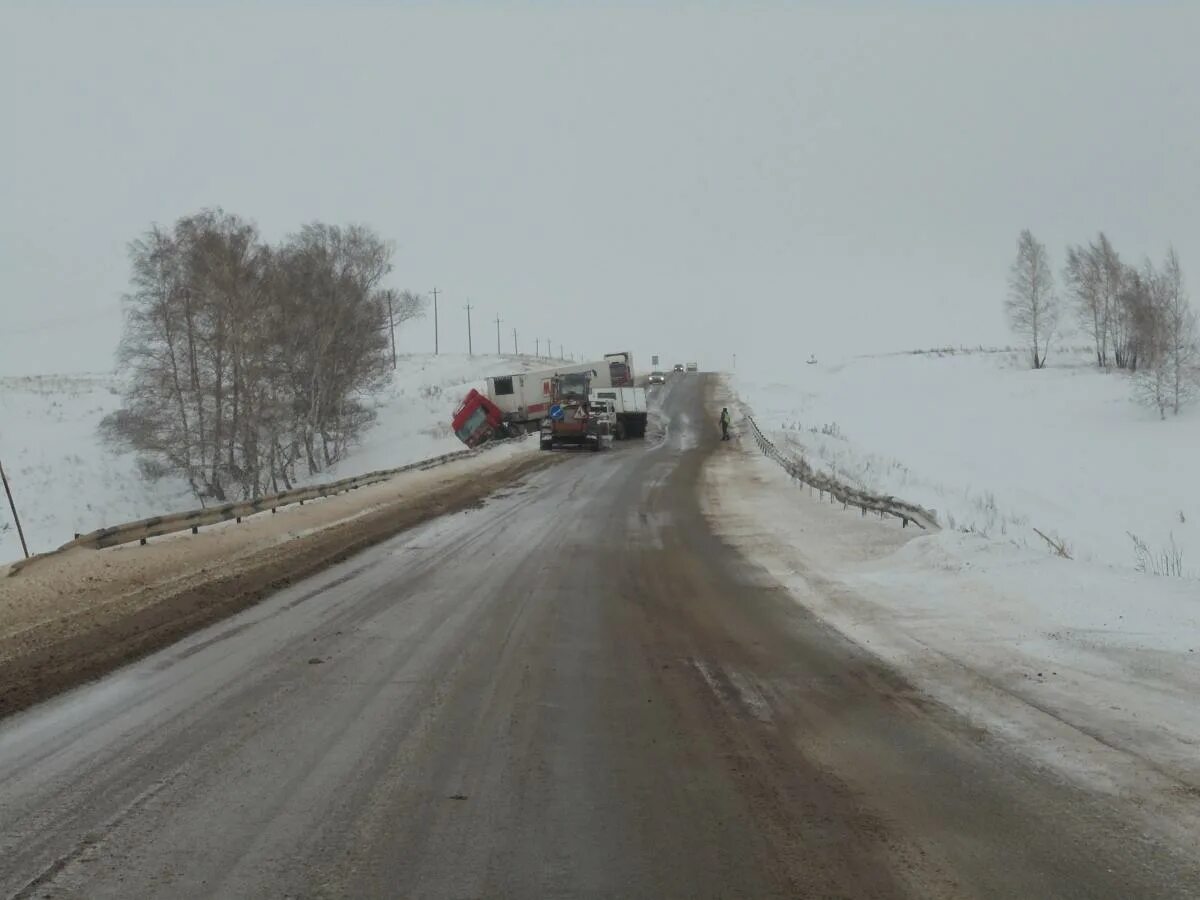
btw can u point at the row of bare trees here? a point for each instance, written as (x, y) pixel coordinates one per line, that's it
(1138, 318)
(248, 364)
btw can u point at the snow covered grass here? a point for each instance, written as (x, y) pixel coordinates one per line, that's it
(65, 480)
(1000, 450)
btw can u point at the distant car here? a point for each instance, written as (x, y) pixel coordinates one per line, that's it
(658, 378)
(692, 367)
(678, 367)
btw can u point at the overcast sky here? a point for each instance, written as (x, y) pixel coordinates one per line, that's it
(696, 181)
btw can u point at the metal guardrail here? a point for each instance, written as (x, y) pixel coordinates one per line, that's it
(867, 502)
(193, 519)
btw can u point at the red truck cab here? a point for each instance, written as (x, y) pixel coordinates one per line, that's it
(476, 419)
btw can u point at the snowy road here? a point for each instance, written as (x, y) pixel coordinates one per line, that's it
(574, 690)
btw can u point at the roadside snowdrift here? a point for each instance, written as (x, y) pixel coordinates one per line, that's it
(65, 480)
(1087, 664)
(998, 449)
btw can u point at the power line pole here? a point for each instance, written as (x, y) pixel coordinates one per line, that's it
(13, 506)
(435, 323)
(516, 352)
(392, 325)
(470, 345)
(561, 355)
(537, 346)
(497, 335)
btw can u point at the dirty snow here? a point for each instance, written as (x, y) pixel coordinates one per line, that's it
(65, 480)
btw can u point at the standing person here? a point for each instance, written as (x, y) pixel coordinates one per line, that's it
(724, 423)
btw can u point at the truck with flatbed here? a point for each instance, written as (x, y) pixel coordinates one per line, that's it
(629, 408)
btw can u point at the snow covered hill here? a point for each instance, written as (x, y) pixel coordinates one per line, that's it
(998, 449)
(65, 480)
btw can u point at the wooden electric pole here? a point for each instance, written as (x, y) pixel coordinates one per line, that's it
(497, 335)
(13, 506)
(516, 352)
(470, 344)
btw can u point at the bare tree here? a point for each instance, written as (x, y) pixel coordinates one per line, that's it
(1032, 305)
(244, 361)
(1167, 378)
(1152, 383)
(1179, 334)
(1084, 279)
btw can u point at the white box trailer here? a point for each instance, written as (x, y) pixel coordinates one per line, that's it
(524, 397)
(630, 406)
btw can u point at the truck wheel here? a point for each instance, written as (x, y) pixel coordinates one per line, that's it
(547, 445)
(620, 435)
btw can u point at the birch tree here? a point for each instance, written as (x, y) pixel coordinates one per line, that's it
(1032, 305)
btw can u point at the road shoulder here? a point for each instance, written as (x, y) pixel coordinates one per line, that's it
(74, 617)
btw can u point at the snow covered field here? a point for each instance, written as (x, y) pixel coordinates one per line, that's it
(1087, 663)
(998, 449)
(66, 481)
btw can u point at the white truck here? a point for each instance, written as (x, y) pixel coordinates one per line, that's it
(629, 404)
(525, 398)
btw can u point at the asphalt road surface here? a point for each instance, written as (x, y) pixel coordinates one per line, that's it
(573, 690)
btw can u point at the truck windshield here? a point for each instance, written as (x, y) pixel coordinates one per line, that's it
(468, 428)
(574, 385)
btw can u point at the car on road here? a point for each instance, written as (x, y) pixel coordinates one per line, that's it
(678, 367)
(657, 378)
(692, 367)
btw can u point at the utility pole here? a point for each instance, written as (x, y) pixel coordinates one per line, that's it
(561, 355)
(392, 325)
(537, 346)
(516, 352)
(470, 345)
(497, 335)
(435, 323)
(13, 507)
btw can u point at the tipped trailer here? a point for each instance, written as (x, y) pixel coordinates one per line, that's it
(526, 397)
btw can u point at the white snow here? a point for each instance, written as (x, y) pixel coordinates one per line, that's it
(1087, 665)
(65, 480)
(998, 449)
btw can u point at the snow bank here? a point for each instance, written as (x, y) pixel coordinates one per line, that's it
(66, 481)
(1086, 668)
(998, 449)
